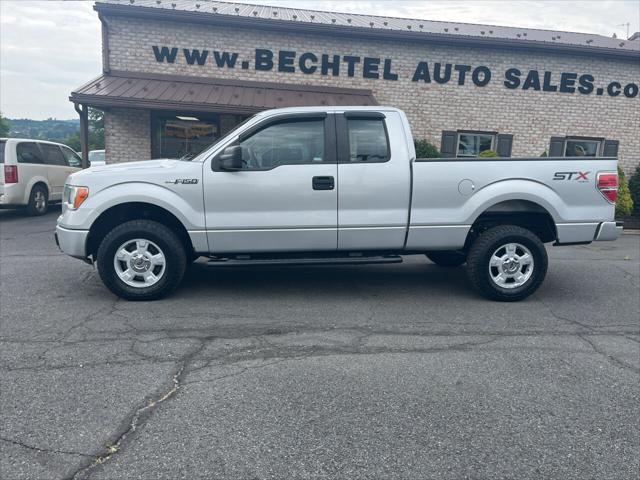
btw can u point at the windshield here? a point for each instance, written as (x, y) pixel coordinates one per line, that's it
(206, 151)
(96, 156)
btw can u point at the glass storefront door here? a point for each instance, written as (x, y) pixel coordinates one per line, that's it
(176, 135)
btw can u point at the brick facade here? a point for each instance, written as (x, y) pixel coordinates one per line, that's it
(531, 116)
(127, 135)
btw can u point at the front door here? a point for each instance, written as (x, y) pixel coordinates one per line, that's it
(284, 198)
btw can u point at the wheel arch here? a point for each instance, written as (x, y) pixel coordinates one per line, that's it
(123, 212)
(525, 213)
(36, 180)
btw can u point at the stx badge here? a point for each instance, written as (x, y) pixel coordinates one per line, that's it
(580, 176)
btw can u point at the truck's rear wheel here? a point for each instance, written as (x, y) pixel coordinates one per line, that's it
(507, 263)
(141, 260)
(447, 258)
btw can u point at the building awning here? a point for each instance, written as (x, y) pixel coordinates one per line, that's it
(172, 92)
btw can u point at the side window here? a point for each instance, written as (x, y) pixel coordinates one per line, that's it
(284, 143)
(28, 152)
(368, 140)
(52, 155)
(72, 159)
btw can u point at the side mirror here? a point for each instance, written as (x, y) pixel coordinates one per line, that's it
(231, 158)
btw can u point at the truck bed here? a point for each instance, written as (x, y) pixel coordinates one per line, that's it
(448, 195)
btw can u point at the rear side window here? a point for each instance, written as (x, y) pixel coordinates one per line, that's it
(368, 140)
(72, 159)
(52, 155)
(28, 152)
(3, 143)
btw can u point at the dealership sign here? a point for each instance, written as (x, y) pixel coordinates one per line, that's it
(309, 63)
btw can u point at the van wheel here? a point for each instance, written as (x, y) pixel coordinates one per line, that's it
(38, 201)
(141, 260)
(447, 258)
(507, 263)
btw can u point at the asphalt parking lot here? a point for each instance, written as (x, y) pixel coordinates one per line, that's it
(388, 371)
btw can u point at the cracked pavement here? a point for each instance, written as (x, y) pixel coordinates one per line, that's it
(389, 371)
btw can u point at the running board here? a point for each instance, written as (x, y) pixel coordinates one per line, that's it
(252, 262)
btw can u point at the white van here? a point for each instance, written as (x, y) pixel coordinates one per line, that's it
(34, 172)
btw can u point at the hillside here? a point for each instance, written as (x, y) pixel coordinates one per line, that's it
(50, 129)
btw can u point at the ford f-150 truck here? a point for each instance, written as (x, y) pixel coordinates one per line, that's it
(333, 185)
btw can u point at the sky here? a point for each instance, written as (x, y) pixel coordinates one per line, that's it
(49, 48)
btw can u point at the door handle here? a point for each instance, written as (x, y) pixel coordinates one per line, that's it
(323, 183)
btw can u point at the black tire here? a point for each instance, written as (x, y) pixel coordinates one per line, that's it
(164, 238)
(38, 201)
(478, 262)
(447, 258)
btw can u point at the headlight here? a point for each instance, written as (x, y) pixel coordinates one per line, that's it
(74, 196)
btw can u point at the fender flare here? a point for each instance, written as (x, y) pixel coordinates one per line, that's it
(143, 192)
(518, 189)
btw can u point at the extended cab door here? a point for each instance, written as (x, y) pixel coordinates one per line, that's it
(374, 181)
(283, 198)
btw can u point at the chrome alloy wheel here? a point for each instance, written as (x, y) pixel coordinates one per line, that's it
(139, 263)
(40, 201)
(511, 265)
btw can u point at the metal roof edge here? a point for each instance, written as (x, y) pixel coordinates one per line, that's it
(234, 82)
(346, 31)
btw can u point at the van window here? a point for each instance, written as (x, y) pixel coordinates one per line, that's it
(52, 155)
(367, 140)
(28, 152)
(3, 143)
(72, 158)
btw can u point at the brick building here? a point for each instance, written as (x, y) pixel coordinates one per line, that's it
(177, 74)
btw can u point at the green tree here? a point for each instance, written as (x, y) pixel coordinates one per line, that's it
(425, 149)
(634, 188)
(624, 204)
(4, 126)
(96, 132)
(487, 153)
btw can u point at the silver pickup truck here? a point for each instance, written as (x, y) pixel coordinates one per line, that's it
(333, 185)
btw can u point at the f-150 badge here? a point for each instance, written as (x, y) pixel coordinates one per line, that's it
(184, 181)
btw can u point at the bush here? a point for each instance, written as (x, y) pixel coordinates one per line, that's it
(624, 204)
(425, 149)
(634, 187)
(488, 153)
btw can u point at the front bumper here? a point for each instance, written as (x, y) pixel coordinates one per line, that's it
(72, 242)
(608, 231)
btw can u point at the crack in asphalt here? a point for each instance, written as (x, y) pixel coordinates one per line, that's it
(592, 332)
(611, 359)
(43, 450)
(142, 413)
(139, 417)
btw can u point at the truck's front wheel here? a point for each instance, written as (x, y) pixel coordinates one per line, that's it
(507, 263)
(141, 260)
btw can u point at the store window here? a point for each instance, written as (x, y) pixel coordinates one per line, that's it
(577, 147)
(583, 147)
(183, 135)
(471, 144)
